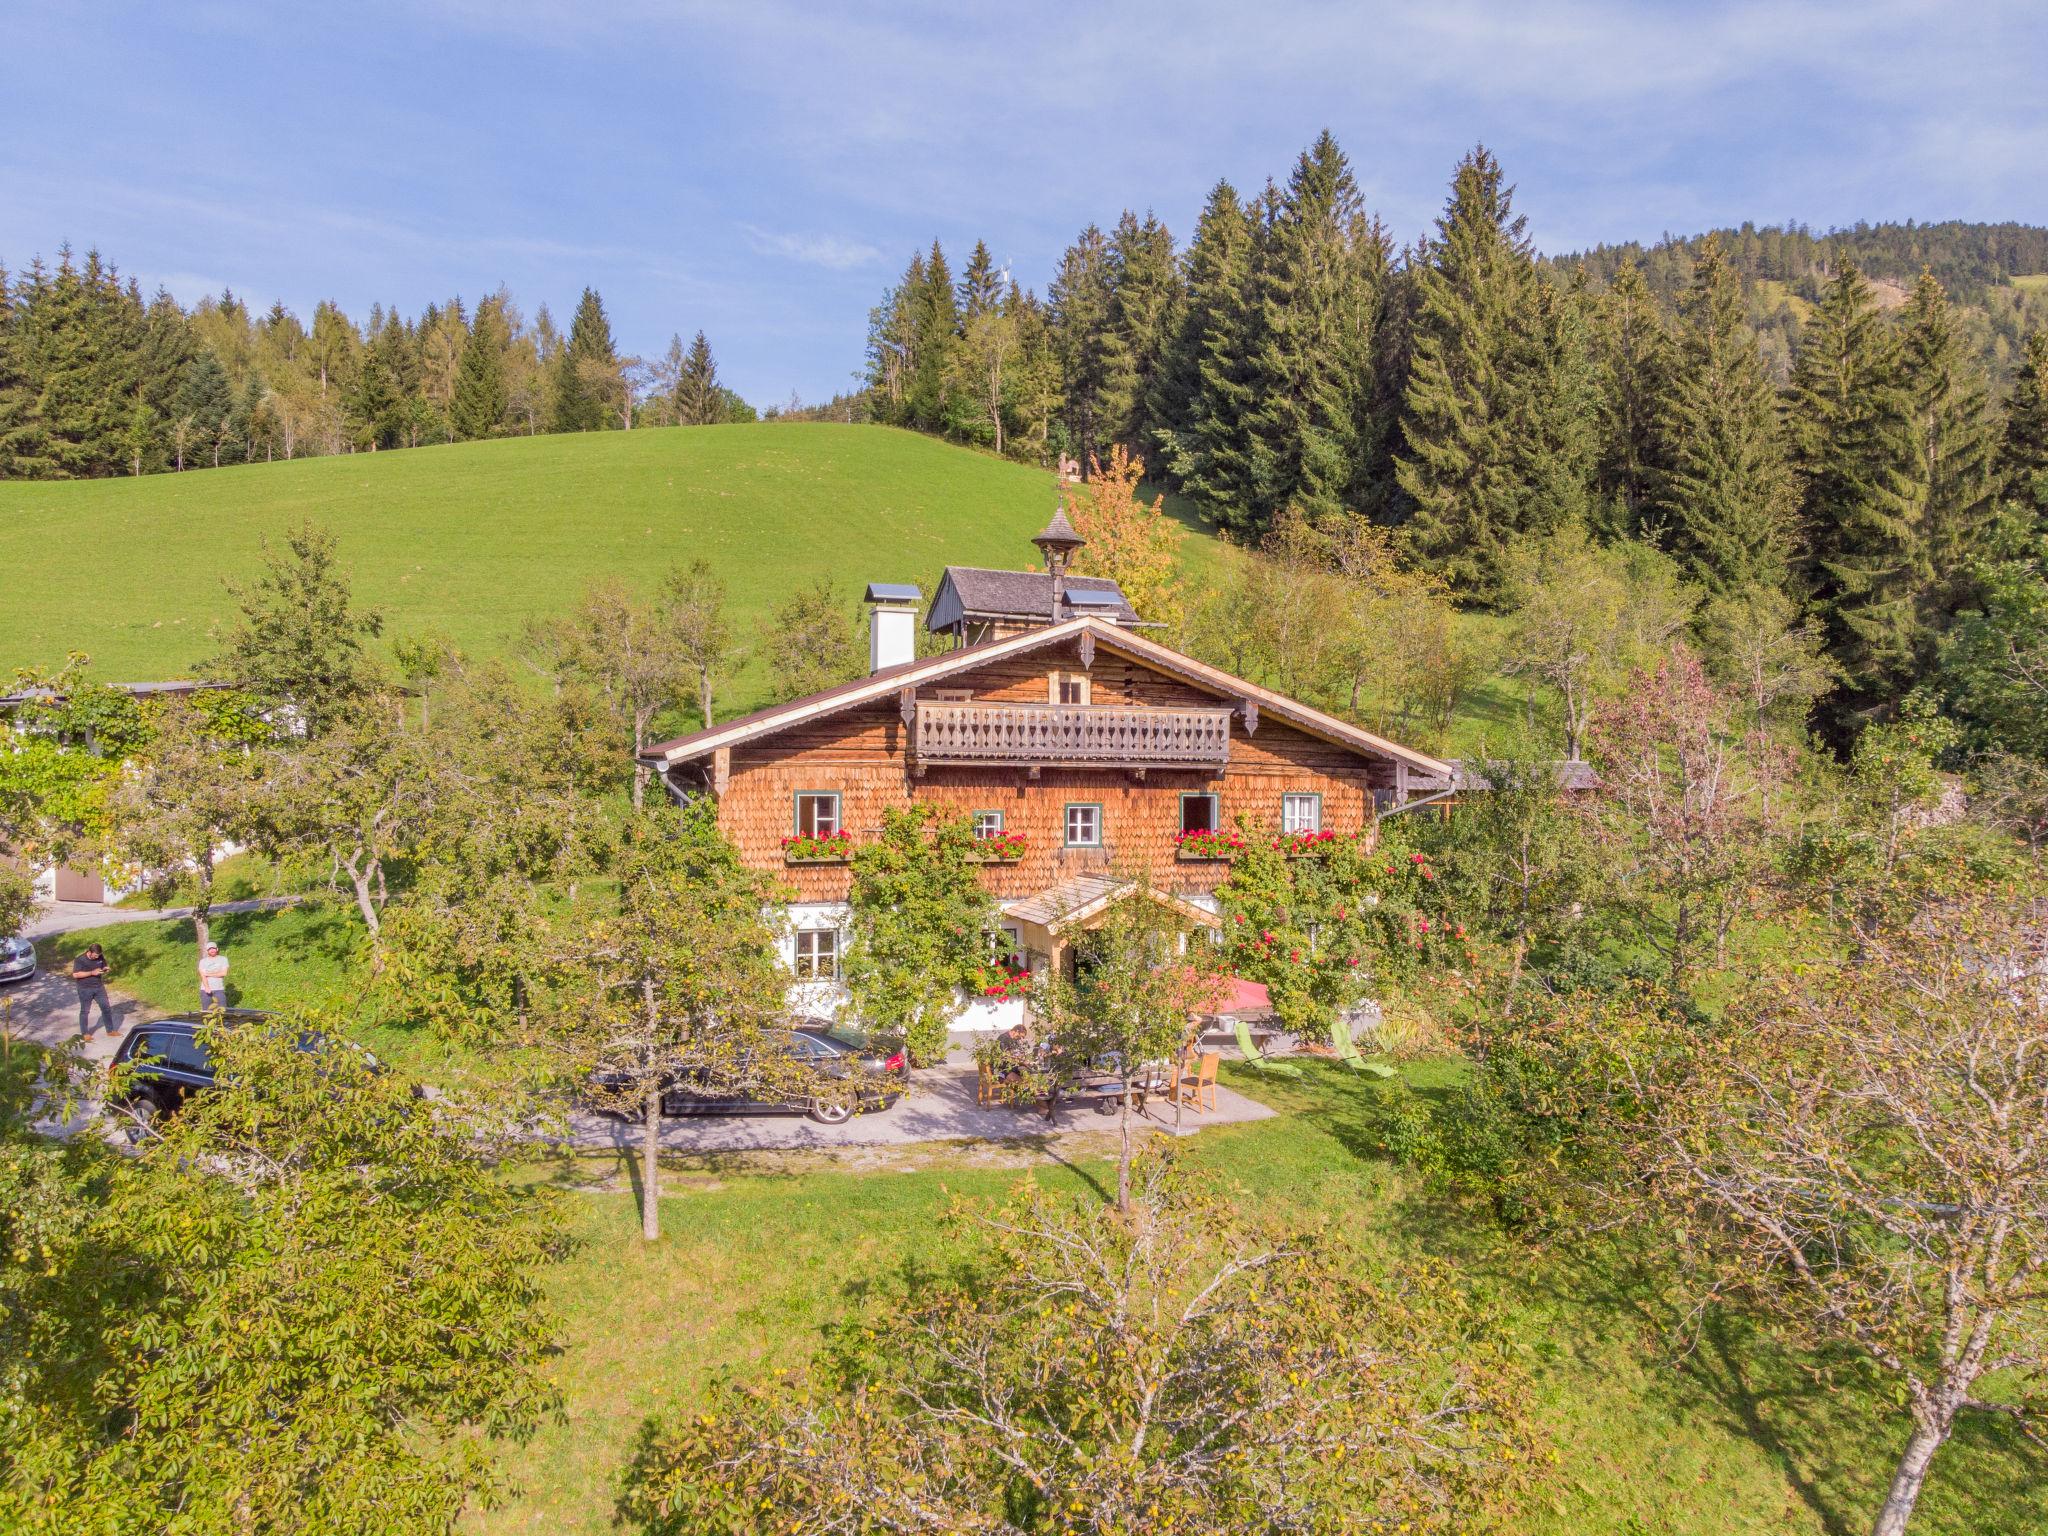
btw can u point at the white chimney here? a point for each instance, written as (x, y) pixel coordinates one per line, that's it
(892, 624)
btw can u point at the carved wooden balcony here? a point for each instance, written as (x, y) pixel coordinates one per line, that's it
(1053, 735)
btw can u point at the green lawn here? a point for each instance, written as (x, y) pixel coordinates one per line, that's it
(757, 1259)
(473, 540)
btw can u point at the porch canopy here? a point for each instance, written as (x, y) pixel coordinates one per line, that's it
(1048, 920)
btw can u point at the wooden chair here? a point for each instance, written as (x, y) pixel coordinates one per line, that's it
(1200, 1084)
(985, 1084)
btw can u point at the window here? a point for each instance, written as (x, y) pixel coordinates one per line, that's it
(817, 814)
(1007, 946)
(988, 824)
(1198, 813)
(817, 954)
(1084, 826)
(180, 1051)
(1069, 688)
(952, 695)
(1301, 813)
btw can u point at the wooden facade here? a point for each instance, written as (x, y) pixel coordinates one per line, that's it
(865, 752)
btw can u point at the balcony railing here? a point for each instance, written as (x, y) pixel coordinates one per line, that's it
(1048, 735)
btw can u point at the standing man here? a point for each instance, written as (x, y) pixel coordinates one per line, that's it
(89, 974)
(213, 978)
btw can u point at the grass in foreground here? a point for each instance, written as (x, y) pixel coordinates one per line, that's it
(759, 1256)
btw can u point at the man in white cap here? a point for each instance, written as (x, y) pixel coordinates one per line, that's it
(213, 978)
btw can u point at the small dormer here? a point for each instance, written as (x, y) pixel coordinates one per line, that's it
(974, 603)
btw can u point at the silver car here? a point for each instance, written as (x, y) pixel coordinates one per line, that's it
(17, 960)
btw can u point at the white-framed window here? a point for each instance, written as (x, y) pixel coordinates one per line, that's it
(1070, 688)
(1198, 813)
(817, 813)
(1084, 825)
(988, 824)
(817, 954)
(1301, 813)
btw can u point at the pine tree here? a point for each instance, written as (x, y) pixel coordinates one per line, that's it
(1078, 304)
(935, 326)
(1317, 285)
(2023, 455)
(480, 400)
(981, 285)
(1851, 433)
(375, 407)
(1724, 496)
(1497, 411)
(892, 346)
(23, 455)
(1632, 366)
(1205, 383)
(1144, 293)
(580, 368)
(1955, 440)
(699, 401)
(207, 404)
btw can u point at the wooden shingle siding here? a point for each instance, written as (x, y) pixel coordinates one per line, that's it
(861, 755)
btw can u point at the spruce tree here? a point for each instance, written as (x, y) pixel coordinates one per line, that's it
(1078, 306)
(1955, 442)
(1144, 294)
(1497, 414)
(1317, 284)
(1204, 383)
(892, 346)
(580, 367)
(981, 285)
(699, 400)
(1851, 432)
(2023, 455)
(207, 404)
(1632, 369)
(935, 327)
(375, 408)
(23, 455)
(1724, 495)
(480, 401)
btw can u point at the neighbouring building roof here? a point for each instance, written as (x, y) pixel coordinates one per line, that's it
(1106, 635)
(133, 690)
(977, 595)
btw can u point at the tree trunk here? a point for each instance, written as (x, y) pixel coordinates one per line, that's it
(704, 695)
(650, 1164)
(1123, 1162)
(1908, 1480)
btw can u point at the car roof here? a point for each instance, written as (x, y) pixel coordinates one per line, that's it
(190, 1021)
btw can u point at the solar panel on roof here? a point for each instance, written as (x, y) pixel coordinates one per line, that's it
(893, 592)
(1094, 599)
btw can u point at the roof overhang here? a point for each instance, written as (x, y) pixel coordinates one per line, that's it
(1105, 634)
(1080, 903)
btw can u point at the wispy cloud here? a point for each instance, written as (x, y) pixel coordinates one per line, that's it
(831, 251)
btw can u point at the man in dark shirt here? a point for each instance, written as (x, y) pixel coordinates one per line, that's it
(89, 975)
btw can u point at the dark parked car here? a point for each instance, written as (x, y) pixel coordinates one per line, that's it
(17, 960)
(880, 1079)
(170, 1063)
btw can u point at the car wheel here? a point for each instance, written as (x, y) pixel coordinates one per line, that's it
(826, 1113)
(144, 1115)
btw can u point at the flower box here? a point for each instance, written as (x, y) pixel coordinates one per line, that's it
(1206, 847)
(1003, 848)
(1305, 845)
(806, 849)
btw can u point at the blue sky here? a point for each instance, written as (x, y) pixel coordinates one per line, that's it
(762, 170)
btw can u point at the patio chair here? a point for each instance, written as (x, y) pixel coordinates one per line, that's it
(1198, 1080)
(985, 1084)
(1347, 1052)
(1253, 1055)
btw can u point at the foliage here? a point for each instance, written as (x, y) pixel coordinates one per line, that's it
(809, 642)
(1319, 931)
(1172, 1369)
(310, 1305)
(1135, 545)
(680, 983)
(298, 636)
(1993, 668)
(923, 929)
(1858, 1156)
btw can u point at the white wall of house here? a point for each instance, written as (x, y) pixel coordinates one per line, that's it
(828, 999)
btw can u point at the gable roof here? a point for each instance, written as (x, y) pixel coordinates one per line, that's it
(976, 593)
(1072, 902)
(1107, 635)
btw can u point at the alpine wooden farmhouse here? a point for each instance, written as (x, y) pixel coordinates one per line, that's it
(1081, 748)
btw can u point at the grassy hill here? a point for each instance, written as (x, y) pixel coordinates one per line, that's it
(475, 539)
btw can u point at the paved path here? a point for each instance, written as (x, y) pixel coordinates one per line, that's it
(45, 1007)
(940, 1107)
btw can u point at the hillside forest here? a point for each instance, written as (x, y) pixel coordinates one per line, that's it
(96, 380)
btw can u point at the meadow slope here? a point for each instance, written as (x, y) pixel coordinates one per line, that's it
(473, 540)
